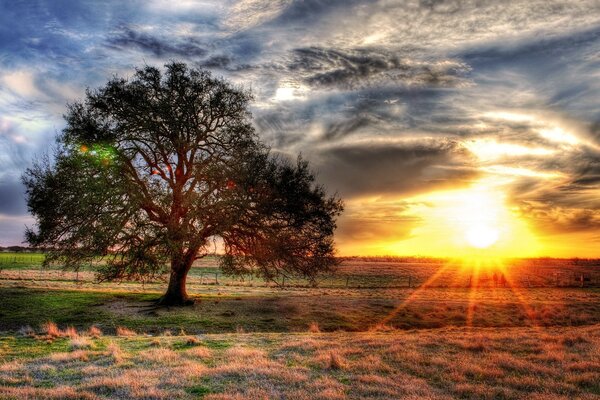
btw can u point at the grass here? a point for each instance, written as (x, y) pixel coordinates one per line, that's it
(283, 311)
(369, 272)
(375, 339)
(347, 310)
(553, 363)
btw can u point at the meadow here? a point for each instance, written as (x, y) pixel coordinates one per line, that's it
(379, 328)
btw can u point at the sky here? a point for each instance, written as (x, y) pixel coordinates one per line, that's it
(449, 128)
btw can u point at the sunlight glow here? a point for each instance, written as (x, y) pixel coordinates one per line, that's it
(490, 149)
(289, 93)
(559, 135)
(482, 236)
(473, 223)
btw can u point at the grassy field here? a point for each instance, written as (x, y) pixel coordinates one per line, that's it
(555, 363)
(452, 333)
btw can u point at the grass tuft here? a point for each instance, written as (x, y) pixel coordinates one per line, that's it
(192, 341)
(335, 361)
(313, 327)
(125, 332)
(94, 332)
(80, 343)
(51, 329)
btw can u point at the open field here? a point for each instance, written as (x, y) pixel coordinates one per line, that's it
(367, 272)
(454, 333)
(555, 363)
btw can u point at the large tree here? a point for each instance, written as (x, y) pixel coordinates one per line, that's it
(153, 170)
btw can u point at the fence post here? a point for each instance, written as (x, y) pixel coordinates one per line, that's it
(347, 279)
(216, 278)
(409, 281)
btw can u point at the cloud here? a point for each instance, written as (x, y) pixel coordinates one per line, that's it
(384, 97)
(12, 229)
(127, 38)
(359, 68)
(362, 169)
(12, 198)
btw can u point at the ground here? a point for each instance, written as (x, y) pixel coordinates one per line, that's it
(361, 334)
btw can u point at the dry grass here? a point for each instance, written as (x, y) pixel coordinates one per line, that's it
(114, 351)
(512, 363)
(95, 332)
(192, 341)
(335, 361)
(80, 343)
(70, 332)
(313, 327)
(125, 332)
(51, 329)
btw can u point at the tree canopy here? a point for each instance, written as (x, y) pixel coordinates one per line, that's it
(150, 170)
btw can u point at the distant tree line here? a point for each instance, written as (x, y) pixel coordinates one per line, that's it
(22, 249)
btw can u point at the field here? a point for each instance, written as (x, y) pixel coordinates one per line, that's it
(379, 328)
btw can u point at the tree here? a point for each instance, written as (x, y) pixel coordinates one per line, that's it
(154, 169)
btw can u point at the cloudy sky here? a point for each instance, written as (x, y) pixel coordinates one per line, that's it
(444, 125)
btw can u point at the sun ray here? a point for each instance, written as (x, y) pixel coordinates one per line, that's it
(474, 285)
(415, 293)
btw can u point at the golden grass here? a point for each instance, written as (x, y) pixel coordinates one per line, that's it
(80, 343)
(51, 329)
(313, 327)
(509, 363)
(125, 332)
(94, 332)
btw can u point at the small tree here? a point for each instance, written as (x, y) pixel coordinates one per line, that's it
(151, 170)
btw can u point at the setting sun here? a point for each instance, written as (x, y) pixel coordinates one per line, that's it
(473, 222)
(482, 236)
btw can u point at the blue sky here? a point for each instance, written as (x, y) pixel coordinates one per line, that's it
(389, 100)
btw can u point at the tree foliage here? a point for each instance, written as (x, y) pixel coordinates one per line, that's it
(152, 169)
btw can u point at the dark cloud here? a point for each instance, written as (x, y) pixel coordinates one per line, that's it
(308, 12)
(127, 38)
(367, 230)
(356, 68)
(400, 169)
(12, 198)
(550, 219)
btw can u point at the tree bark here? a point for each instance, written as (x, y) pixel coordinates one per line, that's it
(176, 294)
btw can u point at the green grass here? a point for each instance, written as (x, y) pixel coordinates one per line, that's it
(283, 311)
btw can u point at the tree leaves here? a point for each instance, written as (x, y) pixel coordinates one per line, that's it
(152, 168)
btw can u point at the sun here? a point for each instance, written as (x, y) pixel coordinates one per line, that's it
(481, 236)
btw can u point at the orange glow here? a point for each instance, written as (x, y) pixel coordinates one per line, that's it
(471, 223)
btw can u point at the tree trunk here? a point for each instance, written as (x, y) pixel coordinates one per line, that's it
(176, 294)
